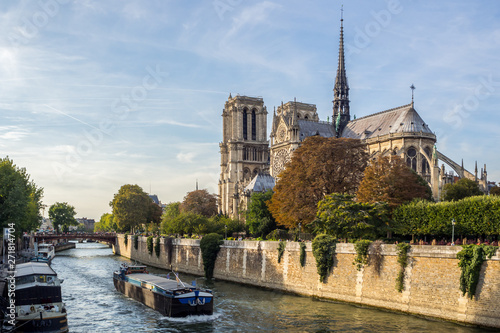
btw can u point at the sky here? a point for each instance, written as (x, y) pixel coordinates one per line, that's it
(98, 94)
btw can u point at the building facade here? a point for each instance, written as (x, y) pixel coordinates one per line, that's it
(399, 131)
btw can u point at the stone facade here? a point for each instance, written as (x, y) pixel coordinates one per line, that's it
(244, 150)
(431, 283)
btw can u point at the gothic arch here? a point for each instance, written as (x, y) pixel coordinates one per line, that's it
(245, 123)
(254, 125)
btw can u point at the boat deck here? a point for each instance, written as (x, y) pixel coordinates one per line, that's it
(158, 281)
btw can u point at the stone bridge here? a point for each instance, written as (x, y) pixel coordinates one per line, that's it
(102, 237)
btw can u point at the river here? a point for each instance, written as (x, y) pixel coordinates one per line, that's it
(94, 305)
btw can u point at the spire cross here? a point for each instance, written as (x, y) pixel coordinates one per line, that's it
(412, 87)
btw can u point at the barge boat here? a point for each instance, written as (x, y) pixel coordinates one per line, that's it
(170, 297)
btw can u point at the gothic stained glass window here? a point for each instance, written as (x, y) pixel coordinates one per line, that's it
(411, 158)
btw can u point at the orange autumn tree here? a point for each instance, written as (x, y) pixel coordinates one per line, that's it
(390, 180)
(320, 166)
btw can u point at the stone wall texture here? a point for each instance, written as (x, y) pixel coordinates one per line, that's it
(431, 283)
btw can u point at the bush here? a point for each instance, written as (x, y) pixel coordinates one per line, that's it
(471, 258)
(149, 243)
(402, 250)
(281, 250)
(323, 247)
(277, 234)
(157, 247)
(125, 239)
(361, 247)
(210, 246)
(302, 258)
(136, 241)
(478, 215)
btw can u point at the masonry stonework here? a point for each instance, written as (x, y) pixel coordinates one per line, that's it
(431, 284)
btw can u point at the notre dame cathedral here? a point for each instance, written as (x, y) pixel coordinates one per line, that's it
(250, 163)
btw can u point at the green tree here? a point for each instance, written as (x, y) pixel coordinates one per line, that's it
(320, 166)
(130, 207)
(106, 223)
(62, 215)
(20, 198)
(388, 179)
(172, 211)
(200, 202)
(462, 189)
(340, 216)
(259, 219)
(495, 190)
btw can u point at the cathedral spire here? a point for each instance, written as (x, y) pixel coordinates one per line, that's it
(341, 89)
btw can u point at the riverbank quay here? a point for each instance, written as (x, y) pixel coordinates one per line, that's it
(431, 284)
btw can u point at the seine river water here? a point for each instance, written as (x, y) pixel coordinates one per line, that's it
(94, 306)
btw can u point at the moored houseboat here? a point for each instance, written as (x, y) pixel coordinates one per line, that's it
(38, 299)
(44, 253)
(170, 297)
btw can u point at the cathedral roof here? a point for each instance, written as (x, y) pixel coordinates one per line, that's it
(310, 128)
(403, 119)
(260, 183)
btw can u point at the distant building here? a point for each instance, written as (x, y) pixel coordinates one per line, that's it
(88, 223)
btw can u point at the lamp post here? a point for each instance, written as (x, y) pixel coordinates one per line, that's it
(453, 232)
(225, 231)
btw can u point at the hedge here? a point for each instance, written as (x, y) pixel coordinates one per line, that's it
(479, 215)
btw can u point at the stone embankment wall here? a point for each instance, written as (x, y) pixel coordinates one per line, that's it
(431, 284)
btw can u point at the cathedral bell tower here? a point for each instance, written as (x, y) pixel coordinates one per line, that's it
(341, 114)
(244, 149)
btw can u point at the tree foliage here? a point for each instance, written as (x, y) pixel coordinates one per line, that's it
(495, 190)
(259, 219)
(323, 247)
(106, 223)
(62, 215)
(199, 202)
(20, 198)
(478, 215)
(388, 179)
(340, 216)
(131, 207)
(462, 189)
(471, 258)
(210, 246)
(174, 222)
(320, 166)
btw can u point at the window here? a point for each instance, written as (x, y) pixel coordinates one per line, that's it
(245, 124)
(411, 158)
(425, 165)
(254, 125)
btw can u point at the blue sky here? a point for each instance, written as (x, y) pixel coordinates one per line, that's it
(97, 94)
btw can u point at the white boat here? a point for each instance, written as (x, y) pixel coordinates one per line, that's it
(44, 252)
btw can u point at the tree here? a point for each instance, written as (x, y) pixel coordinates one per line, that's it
(338, 215)
(320, 166)
(130, 207)
(259, 219)
(20, 198)
(62, 215)
(154, 213)
(200, 202)
(106, 223)
(495, 190)
(462, 189)
(388, 179)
